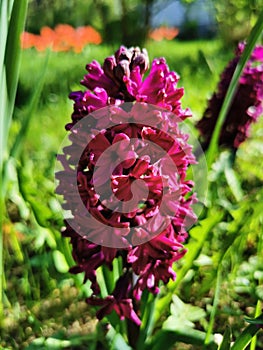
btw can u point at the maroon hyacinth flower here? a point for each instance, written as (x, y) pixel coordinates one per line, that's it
(152, 262)
(119, 301)
(147, 200)
(246, 106)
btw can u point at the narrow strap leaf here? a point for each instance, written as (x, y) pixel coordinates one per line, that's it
(245, 337)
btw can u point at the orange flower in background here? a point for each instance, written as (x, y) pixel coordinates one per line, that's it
(162, 33)
(63, 38)
(28, 40)
(86, 35)
(45, 39)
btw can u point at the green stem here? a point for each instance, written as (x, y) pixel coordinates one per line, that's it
(147, 325)
(215, 305)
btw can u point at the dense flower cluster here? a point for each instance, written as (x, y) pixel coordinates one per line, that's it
(246, 106)
(62, 38)
(162, 217)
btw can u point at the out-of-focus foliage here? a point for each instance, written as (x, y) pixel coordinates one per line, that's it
(235, 18)
(51, 12)
(126, 22)
(120, 21)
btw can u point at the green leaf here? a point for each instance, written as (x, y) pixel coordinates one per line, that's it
(225, 345)
(12, 53)
(203, 260)
(12, 60)
(116, 340)
(182, 315)
(44, 235)
(4, 18)
(53, 343)
(108, 278)
(165, 339)
(232, 179)
(101, 282)
(258, 320)
(9, 71)
(148, 302)
(259, 292)
(245, 337)
(60, 262)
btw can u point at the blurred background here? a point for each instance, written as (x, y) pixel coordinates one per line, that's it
(129, 22)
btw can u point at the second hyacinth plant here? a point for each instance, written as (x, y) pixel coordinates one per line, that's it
(246, 107)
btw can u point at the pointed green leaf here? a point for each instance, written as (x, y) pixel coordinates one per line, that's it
(245, 337)
(258, 320)
(225, 345)
(116, 340)
(12, 53)
(183, 315)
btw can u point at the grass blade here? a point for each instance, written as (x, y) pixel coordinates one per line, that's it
(4, 30)
(215, 304)
(245, 337)
(13, 51)
(29, 112)
(10, 62)
(226, 343)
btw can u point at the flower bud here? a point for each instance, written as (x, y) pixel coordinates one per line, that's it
(122, 70)
(109, 65)
(140, 59)
(123, 54)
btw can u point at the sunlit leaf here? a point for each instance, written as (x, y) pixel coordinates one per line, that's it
(60, 262)
(183, 315)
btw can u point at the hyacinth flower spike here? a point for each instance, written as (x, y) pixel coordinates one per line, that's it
(246, 106)
(140, 127)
